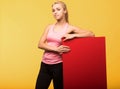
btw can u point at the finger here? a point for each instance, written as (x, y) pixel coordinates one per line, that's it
(65, 39)
(66, 47)
(67, 50)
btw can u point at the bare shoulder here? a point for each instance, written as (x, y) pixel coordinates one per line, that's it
(48, 26)
(46, 29)
(72, 28)
(77, 29)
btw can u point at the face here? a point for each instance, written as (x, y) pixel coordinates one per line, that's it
(58, 11)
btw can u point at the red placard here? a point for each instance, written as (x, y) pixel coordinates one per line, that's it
(84, 67)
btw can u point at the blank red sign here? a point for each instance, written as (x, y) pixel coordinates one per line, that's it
(84, 67)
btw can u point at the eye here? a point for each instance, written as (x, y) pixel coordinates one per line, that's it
(58, 9)
(53, 10)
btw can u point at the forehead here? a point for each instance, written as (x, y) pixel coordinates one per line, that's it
(58, 5)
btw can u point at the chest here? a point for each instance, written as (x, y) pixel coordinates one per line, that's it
(55, 36)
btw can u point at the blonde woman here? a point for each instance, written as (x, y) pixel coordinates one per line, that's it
(51, 65)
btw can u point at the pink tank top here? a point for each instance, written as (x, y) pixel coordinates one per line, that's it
(54, 39)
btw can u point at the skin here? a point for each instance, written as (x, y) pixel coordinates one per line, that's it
(59, 15)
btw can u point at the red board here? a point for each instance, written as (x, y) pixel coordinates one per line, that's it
(84, 67)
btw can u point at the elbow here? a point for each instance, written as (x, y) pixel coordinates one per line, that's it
(40, 46)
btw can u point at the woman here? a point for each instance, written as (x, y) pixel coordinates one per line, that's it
(51, 65)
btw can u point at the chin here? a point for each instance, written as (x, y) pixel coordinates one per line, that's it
(58, 18)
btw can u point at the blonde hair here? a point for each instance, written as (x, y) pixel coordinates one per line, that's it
(64, 7)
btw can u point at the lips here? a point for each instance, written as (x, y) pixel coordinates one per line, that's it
(56, 16)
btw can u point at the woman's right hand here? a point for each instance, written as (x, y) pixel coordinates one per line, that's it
(62, 48)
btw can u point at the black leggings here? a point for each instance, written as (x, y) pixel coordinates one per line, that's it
(49, 72)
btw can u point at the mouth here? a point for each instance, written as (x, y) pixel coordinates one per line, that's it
(56, 16)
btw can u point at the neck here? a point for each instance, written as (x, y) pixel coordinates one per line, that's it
(61, 22)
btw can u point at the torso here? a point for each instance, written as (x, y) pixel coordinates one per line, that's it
(54, 38)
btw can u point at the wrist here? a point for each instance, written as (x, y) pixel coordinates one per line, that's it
(55, 49)
(76, 35)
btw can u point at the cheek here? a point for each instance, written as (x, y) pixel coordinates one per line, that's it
(61, 13)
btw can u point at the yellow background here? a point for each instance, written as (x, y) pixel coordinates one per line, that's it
(23, 21)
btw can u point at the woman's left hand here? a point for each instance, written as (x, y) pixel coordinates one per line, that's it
(68, 36)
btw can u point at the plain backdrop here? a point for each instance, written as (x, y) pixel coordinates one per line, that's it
(22, 23)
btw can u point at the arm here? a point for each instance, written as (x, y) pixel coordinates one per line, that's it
(77, 32)
(43, 41)
(43, 44)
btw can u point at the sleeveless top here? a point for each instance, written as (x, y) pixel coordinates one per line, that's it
(54, 39)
